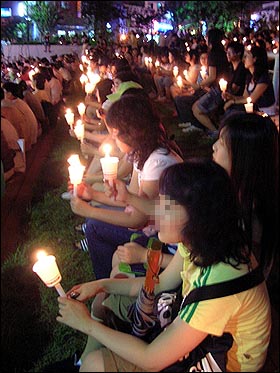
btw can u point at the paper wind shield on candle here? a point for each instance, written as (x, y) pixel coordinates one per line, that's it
(81, 108)
(79, 130)
(69, 116)
(76, 172)
(46, 268)
(223, 85)
(249, 107)
(109, 165)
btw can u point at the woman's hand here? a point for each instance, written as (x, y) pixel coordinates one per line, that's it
(228, 104)
(85, 291)
(119, 191)
(84, 191)
(80, 207)
(73, 313)
(87, 149)
(132, 252)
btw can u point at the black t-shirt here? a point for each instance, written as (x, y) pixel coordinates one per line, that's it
(238, 77)
(218, 59)
(268, 98)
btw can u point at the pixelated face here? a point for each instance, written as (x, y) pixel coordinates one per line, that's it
(221, 153)
(170, 218)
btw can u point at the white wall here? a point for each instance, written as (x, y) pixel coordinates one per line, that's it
(12, 51)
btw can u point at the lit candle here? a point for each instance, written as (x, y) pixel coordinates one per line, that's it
(109, 165)
(249, 106)
(157, 63)
(76, 172)
(81, 109)
(146, 59)
(175, 71)
(203, 72)
(186, 74)
(223, 85)
(69, 116)
(180, 82)
(83, 79)
(89, 87)
(79, 130)
(47, 269)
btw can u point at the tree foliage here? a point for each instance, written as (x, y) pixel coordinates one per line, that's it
(98, 13)
(44, 14)
(221, 14)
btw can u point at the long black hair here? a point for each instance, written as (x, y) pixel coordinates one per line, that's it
(212, 232)
(252, 141)
(139, 126)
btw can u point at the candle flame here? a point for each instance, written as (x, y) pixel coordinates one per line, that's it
(74, 159)
(107, 148)
(41, 254)
(249, 100)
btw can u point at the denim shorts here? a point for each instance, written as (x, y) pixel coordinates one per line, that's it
(210, 101)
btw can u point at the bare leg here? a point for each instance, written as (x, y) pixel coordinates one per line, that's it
(203, 118)
(97, 313)
(93, 362)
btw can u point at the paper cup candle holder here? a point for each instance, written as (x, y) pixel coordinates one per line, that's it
(109, 165)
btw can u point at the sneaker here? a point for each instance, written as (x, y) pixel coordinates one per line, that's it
(66, 195)
(192, 129)
(184, 125)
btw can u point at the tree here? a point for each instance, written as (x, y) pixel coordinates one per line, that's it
(221, 14)
(44, 14)
(98, 13)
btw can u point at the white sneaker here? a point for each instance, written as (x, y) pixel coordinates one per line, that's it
(184, 125)
(66, 195)
(192, 129)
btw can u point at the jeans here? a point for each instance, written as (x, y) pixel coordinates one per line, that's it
(103, 239)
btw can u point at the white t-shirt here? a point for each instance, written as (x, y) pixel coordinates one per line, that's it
(158, 161)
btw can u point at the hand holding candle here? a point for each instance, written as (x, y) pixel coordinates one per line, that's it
(47, 269)
(109, 166)
(249, 107)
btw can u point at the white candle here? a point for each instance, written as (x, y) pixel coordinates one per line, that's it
(180, 82)
(157, 63)
(76, 173)
(69, 116)
(89, 87)
(175, 71)
(81, 108)
(223, 85)
(79, 130)
(203, 72)
(47, 269)
(249, 106)
(109, 165)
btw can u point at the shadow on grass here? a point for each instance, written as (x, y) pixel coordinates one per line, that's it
(24, 337)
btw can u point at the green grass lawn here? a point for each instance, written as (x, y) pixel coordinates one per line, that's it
(31, 336)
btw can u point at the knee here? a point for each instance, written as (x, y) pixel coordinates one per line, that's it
(93, 362)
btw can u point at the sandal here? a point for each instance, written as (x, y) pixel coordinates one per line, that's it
(81, 245)
(81, 228)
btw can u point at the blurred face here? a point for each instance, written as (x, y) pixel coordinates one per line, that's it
(203, 59)
(125, 148)
(221, 154)
(231, 55)
(249, 60)
(170, 218)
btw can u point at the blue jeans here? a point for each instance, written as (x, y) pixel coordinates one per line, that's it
(103, 239)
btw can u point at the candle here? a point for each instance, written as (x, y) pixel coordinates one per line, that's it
(47, 269)
(83, 79)
(81, 108)
(73, 159)
(89, 87)
(109, 165)
(249, 106)
(146, 59)
(69, 116)
(157, 63)
(175, 71)
(180, 82)
(76, 172)
(79, 130)
(203, 72)
(223, 85)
